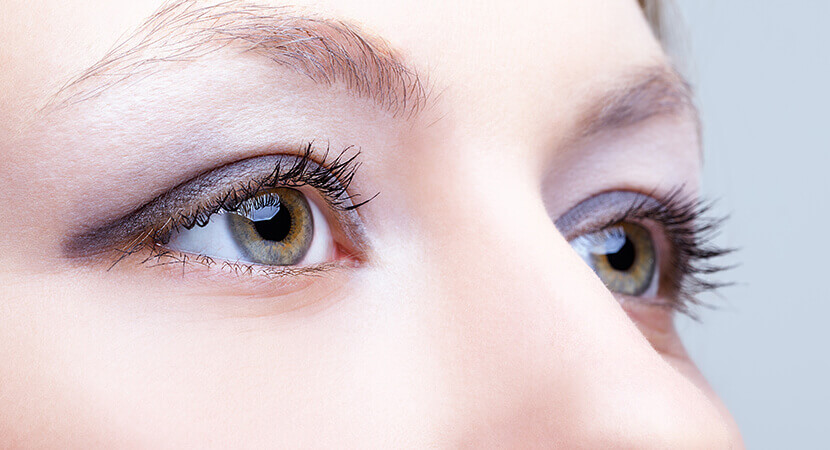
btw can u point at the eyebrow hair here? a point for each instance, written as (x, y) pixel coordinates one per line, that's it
(326, 51)
(332, 51)
(645, 93)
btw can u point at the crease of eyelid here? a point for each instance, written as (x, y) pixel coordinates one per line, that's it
(326, 51)
(183, 202)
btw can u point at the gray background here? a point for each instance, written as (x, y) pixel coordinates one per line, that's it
(761, 71)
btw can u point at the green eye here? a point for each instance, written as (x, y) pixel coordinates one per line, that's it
(274, 228)
(622, 255)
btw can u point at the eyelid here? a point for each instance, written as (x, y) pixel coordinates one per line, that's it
(224, 188)
(601, 211)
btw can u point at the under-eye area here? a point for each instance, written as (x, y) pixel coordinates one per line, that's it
(274, 215)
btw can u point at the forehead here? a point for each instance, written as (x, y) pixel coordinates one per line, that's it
(484, 54)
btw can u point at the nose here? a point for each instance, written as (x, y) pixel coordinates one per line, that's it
(536, 352)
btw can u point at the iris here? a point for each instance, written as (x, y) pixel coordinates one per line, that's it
(273, 228)
(622, 255)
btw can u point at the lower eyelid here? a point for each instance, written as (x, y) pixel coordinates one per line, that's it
(196, 269)
(219, 289)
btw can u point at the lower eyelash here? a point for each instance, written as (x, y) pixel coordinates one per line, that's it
(157, 256)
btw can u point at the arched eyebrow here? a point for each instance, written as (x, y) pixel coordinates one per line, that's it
(326, 51)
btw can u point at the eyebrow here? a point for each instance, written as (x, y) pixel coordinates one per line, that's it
(326, 51)
(643, 94)
(333, 51)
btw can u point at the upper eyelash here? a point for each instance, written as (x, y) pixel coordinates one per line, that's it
(331, 179)
(193, 202)
(690, 230)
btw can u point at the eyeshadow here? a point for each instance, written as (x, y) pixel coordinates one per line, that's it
(596, 212)
(189, 203)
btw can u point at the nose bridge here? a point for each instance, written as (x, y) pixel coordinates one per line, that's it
(532, 344)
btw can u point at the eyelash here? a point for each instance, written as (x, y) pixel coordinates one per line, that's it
(331, 178)
(682, 220)
(689, 230)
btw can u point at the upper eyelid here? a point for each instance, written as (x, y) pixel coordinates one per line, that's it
(600, 211)
(184, 201)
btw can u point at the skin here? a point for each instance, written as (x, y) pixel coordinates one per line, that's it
(470, 323)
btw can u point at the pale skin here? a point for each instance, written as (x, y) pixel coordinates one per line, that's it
(471, 321)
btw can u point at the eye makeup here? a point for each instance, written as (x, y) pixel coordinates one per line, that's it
(655, 248)
(227, 189)
(677, 223)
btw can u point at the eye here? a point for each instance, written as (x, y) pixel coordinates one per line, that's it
(281, 215)
(623, 256)
(653, 248)
(278, 227)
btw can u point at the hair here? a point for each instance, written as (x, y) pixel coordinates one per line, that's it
(653, 10)
(666, 22)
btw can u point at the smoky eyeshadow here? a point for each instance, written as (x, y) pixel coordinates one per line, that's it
(601, 211)
(182, 201)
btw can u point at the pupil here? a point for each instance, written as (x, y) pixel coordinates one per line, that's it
(276, 228)
(624, 258)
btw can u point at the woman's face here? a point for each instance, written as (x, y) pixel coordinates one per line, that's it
(182, 264)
